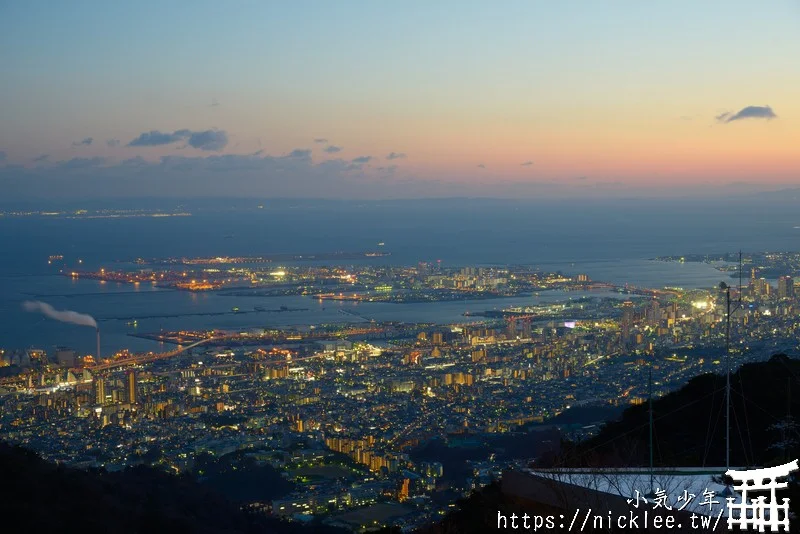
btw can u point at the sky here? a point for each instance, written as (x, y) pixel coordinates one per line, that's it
(398, 99)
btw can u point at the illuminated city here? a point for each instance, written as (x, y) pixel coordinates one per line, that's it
(434, 267)
(341, 410)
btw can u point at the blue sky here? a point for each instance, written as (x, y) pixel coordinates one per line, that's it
(622, 92)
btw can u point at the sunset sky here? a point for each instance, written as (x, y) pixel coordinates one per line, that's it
(398, 99)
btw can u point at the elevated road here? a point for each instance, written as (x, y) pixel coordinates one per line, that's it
(147, 358)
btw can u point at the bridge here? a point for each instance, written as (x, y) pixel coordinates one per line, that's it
(21, 381)
(147, 358)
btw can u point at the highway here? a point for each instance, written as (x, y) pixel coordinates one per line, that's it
(147, 358)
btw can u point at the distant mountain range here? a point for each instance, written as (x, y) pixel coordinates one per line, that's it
(738, 192)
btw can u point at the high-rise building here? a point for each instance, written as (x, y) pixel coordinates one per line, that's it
(99, 391)
(722, 299)
(403, 493)
(511, 329)
(131, 386)
(760, 287)
(526, 328)
(626, 322)
(785, 287)
(653, 312)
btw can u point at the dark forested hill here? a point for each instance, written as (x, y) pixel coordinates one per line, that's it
(689, 424)
(45, 497)
(689, 430)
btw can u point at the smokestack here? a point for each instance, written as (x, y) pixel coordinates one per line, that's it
(98, 345)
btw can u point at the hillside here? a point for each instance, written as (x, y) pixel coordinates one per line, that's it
(689, 430)
(51, 498)
(689, 424)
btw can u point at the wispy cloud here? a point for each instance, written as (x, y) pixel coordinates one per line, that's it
(395, 155)
(156, 138)
(481, 166)
(750, 112)
(320, 140)
(214, 103)
(112, 142)
(526, 164)
(362, 159)
(208, 140)
(333, 149)
(300, 153)
(80, 163)
(214, 140)
(277, 176)
(138, 161)
(40, 159)
(83, 142)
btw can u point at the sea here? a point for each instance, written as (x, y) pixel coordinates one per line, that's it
(611, 241)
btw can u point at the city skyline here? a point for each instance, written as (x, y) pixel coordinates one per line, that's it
(387, 101)
(379, 267)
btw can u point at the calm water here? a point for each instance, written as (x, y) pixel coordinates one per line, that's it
(607, 242)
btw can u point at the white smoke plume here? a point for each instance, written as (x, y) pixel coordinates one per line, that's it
(65, 316)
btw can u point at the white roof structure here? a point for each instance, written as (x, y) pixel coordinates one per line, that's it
(689, 489)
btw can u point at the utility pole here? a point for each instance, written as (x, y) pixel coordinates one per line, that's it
(652, 493)
(727, 289)
(728, 383)
(650, 402)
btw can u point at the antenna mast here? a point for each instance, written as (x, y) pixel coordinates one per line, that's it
(728, 367)
(650, 402)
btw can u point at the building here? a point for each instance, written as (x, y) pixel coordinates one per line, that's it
(526, 329)
(403, 493)
(99, 391)
(336, 345)
(130, 382)
(511, 329)
(626, 322)
(785, 287)
(763, 289)
(65, 357)
(617, 493)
